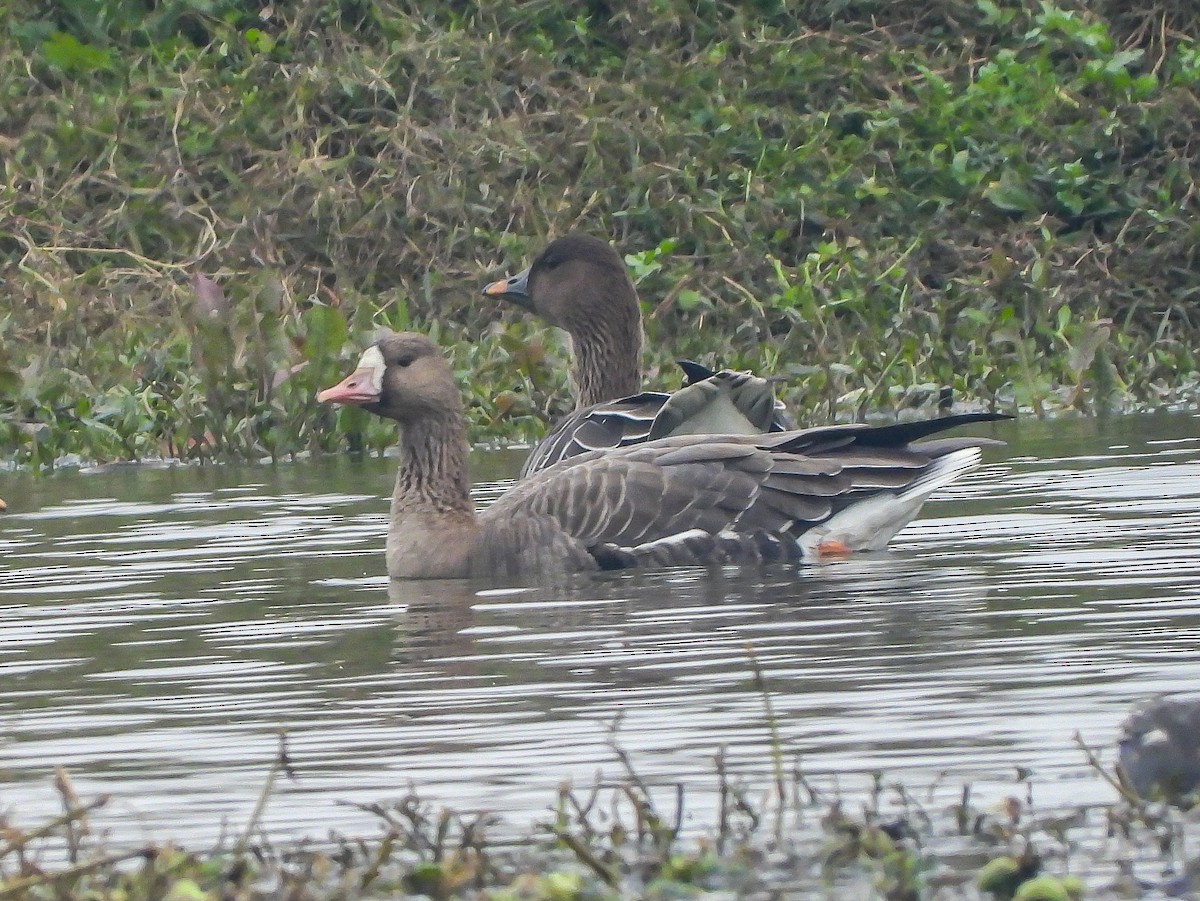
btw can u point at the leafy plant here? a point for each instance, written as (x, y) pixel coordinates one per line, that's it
(875, 201)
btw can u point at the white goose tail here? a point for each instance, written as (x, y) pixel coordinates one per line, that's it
(870, 524)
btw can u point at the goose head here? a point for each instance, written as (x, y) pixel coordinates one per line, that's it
(402, 376)
(579, 283)
(576, 283)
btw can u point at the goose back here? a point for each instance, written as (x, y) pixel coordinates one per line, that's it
(720, 403)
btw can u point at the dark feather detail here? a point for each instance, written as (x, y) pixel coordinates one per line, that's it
(694, 372)
(633, 420)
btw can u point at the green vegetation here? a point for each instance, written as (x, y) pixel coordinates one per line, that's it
(625, 838)
(873, 199)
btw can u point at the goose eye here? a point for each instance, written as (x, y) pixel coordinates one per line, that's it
(405, 360)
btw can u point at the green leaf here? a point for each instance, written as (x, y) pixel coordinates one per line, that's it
(1013, 194)
(693, 300)
(259, 40)
(324, 332)
(10, 382)
(65, 53)
(1124, 58)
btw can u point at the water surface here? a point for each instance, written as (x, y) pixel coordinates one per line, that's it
(159, 626)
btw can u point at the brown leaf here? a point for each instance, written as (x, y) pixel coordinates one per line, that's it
(1083, 353)
(210, 299)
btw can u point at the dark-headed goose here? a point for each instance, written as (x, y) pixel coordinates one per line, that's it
(675, 501)
(580, 284)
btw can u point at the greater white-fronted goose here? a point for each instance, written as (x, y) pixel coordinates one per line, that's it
(1159, 749)
(674, 501)
(580, 284)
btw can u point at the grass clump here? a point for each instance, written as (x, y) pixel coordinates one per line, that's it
(617, 839)
(873, 200)
(628, 838)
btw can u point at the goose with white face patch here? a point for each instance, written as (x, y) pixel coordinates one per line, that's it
(683, 500)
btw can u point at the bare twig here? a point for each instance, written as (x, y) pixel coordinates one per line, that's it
(722, 800)
(1093, 760)
(281, 764)
(62, 782)
(760, 683)
(624, 758)
(22, 839)
(17, 887)
(586, 857)
(381, 856)
(801, 781)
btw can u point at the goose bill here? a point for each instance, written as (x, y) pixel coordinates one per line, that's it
(362, 386)
(514, 289)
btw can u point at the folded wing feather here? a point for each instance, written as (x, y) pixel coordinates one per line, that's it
(747, 493)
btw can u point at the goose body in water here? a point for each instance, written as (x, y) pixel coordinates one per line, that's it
(1159, 748)
(682, 500)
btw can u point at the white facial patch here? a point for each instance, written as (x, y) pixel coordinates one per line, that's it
(372, 359)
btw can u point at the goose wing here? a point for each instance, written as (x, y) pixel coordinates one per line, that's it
(656, 491)
(854, 484)
(711, 403)
(602, 427)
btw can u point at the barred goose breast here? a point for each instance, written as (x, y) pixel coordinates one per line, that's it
(689, 500)
(580, 284)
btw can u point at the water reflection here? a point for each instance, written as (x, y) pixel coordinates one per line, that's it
(158, 626)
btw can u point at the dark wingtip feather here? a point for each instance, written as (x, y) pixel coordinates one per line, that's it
(901, 433)
(694, 372)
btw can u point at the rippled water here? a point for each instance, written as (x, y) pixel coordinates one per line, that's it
(158, 626)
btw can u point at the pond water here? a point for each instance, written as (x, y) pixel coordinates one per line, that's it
(158, 626)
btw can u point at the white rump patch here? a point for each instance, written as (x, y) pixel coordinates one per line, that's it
(869, 524)
(372, 359)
